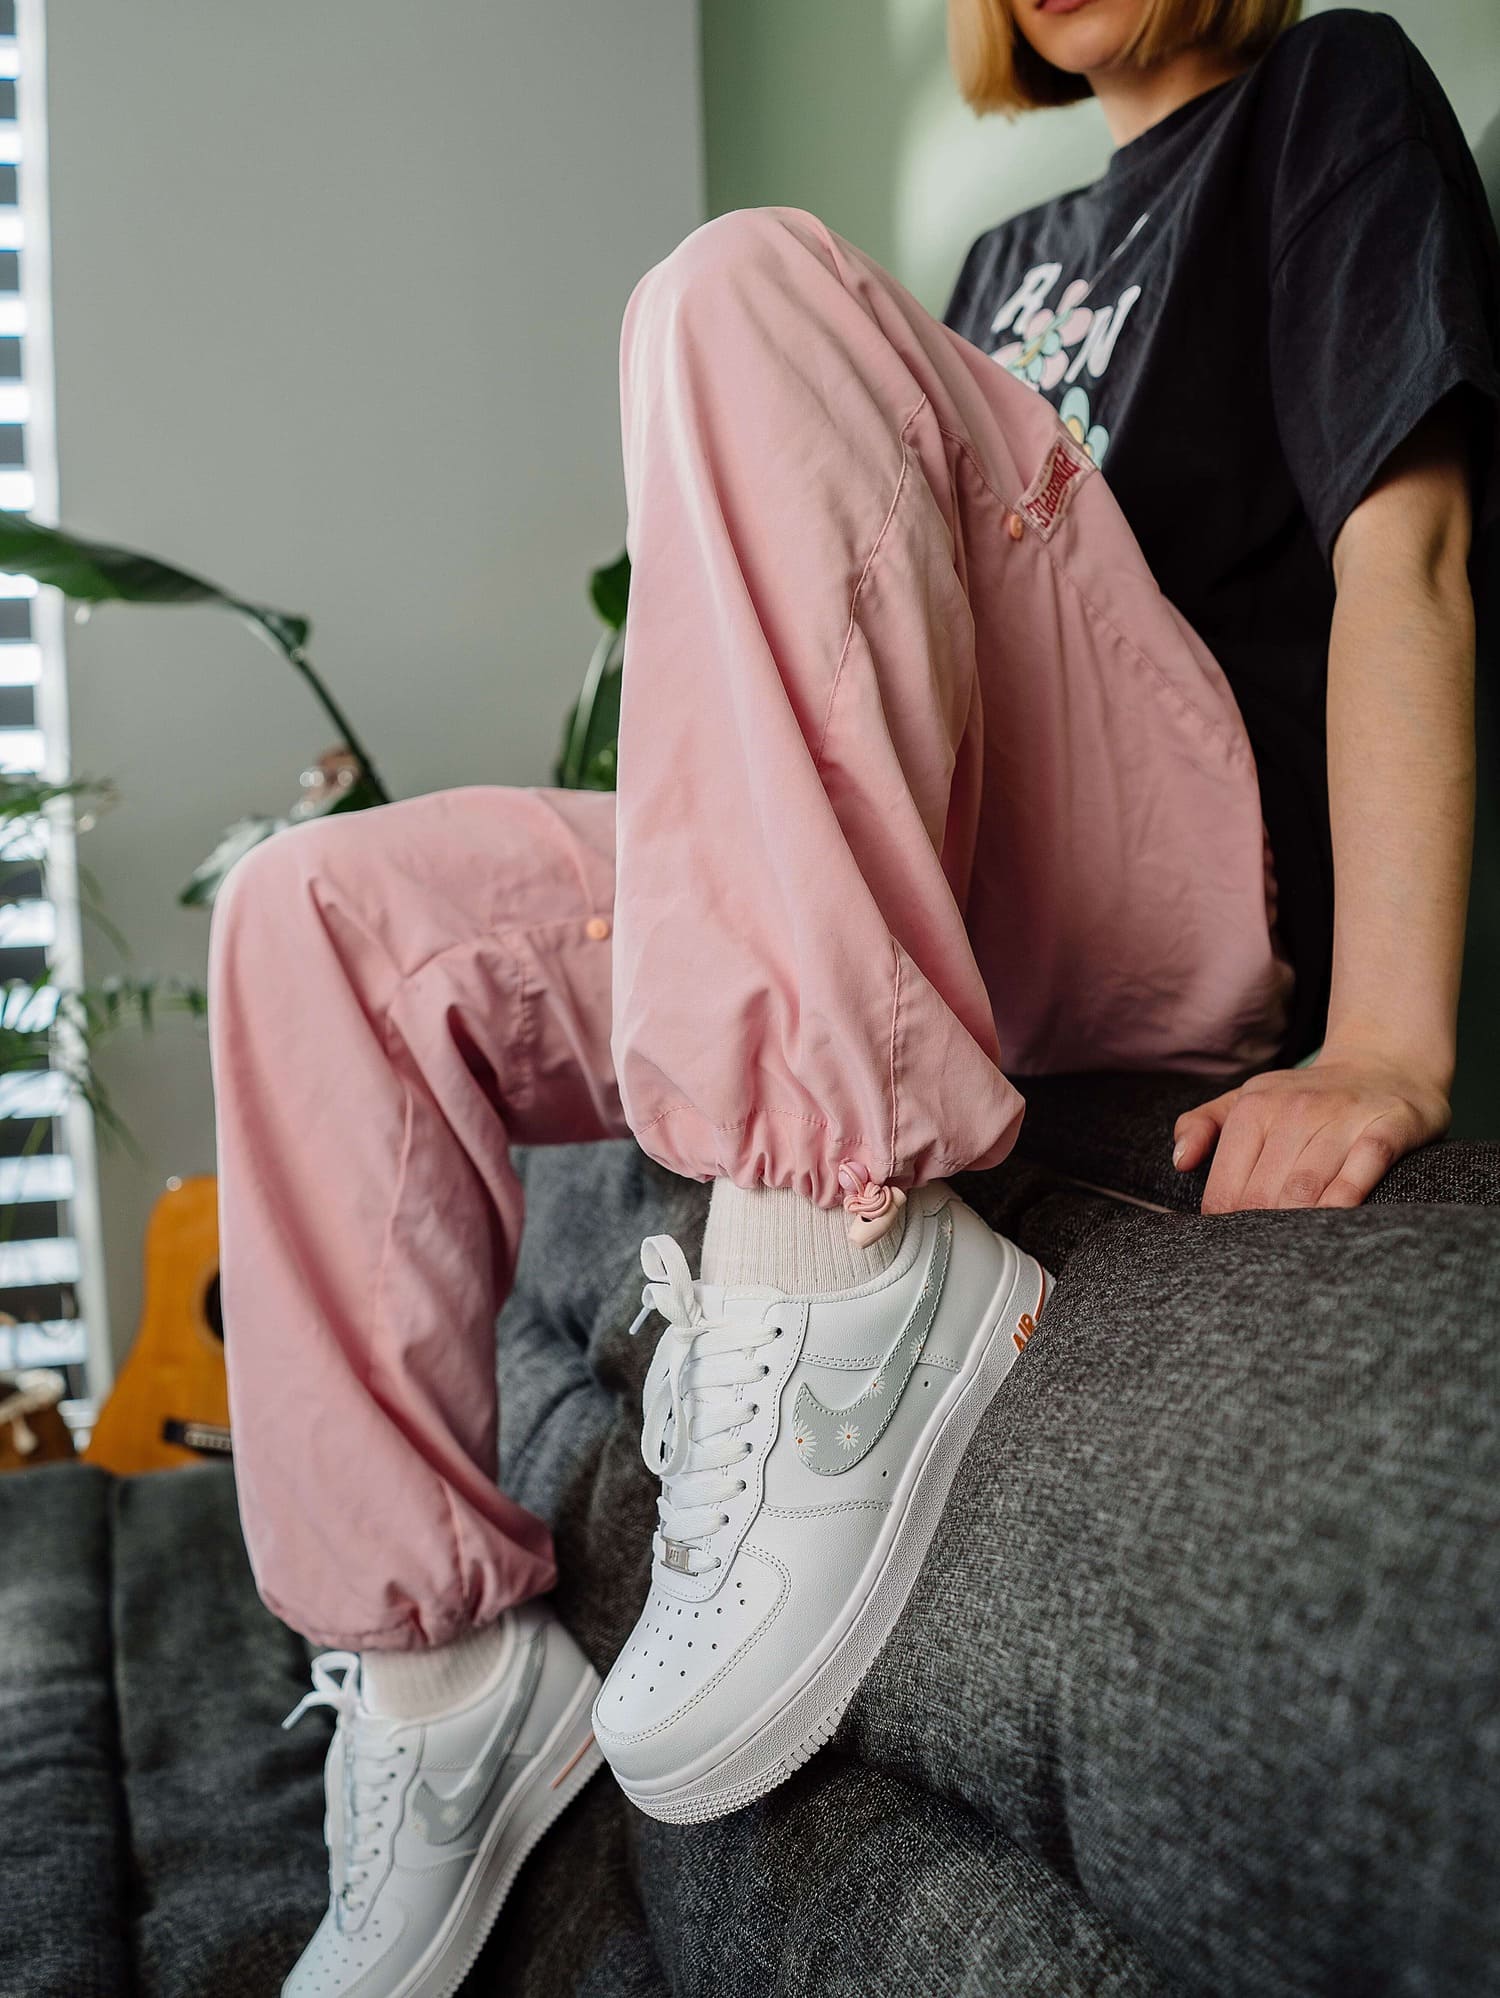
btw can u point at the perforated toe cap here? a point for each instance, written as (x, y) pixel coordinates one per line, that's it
(687, 1669)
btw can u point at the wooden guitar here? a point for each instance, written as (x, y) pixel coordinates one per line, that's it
(170, 1404)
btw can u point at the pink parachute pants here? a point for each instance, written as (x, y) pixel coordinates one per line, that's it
(921, 778)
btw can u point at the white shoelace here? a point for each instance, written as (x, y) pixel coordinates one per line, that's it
(684, 1438)
(355, 1829)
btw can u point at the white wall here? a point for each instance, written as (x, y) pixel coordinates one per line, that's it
(337, 299)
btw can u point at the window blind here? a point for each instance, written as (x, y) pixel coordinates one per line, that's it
(49, 1240)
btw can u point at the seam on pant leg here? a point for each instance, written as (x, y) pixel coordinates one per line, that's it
(541, 805)
(826, 233)
(522, 1047)
(377, 1315)
(890, 515)
(519, 1047)
(403, 1161)
(895, 1028)
(892, 1063)
(570, 847)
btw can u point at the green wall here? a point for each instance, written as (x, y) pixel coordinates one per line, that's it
(847, 107)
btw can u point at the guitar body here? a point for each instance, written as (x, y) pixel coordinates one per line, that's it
(170, 1404)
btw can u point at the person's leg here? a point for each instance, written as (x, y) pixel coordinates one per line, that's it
(394, 996)
(921, 775)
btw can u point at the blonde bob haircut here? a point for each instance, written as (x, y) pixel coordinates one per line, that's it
(998, 70)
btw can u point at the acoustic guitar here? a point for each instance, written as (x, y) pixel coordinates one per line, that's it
(170, 1404)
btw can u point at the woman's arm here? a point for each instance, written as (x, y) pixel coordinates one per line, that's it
(1401, 799)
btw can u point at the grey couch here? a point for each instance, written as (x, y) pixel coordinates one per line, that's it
(1199, 1693)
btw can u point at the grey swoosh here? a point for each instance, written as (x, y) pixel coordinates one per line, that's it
(441, 1820)
(831, 1440)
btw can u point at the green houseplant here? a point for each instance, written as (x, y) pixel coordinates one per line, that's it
(45, 1026)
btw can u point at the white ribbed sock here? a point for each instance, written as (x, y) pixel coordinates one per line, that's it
(418, 1685)
(772, 1234)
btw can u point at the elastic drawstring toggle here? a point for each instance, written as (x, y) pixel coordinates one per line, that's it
(875, 1206)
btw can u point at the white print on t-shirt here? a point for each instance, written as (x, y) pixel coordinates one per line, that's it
(1058, 344)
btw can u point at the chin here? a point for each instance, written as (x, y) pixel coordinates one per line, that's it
(1092, 37)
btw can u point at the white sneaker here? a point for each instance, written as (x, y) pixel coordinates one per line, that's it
(428, 1821)
(806, 1447)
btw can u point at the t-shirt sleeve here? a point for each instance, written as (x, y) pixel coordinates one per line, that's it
(1384, 299)
(958, 310)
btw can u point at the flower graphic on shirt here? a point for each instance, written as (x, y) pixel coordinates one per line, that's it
(1041, 355)
(1074, 411)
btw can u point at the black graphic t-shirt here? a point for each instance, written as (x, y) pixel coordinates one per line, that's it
(1239, 322)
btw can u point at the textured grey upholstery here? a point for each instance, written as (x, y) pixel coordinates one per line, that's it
(159, 1833)
(1197, 1691)
(1196, 1694)
(63, 1845)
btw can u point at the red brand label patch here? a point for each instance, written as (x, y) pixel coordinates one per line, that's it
(1045, 500)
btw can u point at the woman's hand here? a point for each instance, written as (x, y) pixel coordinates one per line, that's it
(1319, 1136)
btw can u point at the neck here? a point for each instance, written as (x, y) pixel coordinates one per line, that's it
(1133, 99)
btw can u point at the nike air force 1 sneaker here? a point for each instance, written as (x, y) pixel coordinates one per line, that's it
(805, 1446)
(428, 1821)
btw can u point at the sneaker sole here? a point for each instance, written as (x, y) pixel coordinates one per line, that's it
(809, 1718)
(562, 1766)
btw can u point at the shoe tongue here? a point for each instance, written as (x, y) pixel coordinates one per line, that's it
(718, 1299)
(374, 1729)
